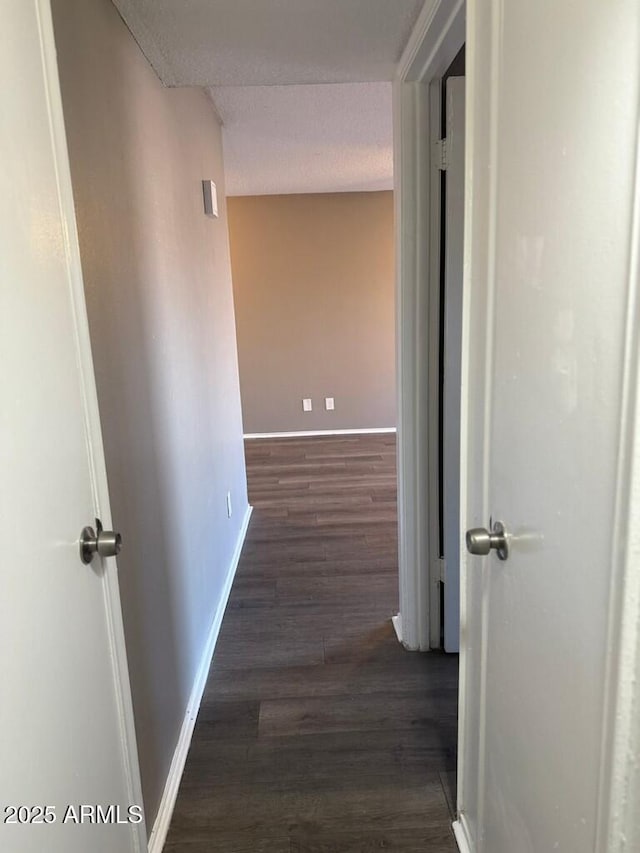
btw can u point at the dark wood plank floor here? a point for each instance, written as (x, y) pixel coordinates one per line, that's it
(318, 733)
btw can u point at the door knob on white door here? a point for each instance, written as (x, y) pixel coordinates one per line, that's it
(480, 541)
(106, 543)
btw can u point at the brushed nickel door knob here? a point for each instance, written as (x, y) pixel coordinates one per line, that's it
(106, 543)
(480, 541)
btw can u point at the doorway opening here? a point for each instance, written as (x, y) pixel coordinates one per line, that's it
(430, 201)
(449, 155)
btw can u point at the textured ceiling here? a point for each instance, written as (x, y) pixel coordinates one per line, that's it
(270, 42)
(306, 139)
(299, 84)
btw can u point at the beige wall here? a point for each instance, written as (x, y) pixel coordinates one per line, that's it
(160, 305)
(313, 279)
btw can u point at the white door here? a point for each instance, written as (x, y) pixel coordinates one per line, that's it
(453, 258)
(551, 275)
(66, 729)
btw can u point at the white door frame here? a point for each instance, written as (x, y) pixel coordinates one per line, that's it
(618, 824)
(436, 39)
(95, 450)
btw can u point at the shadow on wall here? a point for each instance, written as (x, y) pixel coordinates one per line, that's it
(160, 308)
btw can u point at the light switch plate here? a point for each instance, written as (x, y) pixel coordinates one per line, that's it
(329, 404)
(307, 405)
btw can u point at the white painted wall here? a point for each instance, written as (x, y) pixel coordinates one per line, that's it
(160, 306)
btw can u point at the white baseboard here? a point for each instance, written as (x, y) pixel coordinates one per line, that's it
(309, 433)
(163, 819)
(462, 835)
(397, 625)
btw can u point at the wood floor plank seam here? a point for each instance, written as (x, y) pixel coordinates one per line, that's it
(318, 732)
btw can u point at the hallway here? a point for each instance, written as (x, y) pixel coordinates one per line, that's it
(318, 733)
